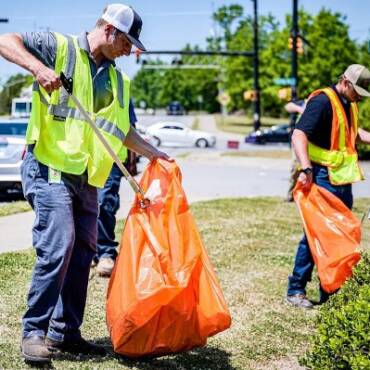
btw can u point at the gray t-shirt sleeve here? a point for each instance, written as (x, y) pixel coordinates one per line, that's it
(43, 45)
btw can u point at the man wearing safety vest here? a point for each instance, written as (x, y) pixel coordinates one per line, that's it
(65, 164)
(324, 142)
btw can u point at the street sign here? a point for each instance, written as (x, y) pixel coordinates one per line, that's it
(224, 98)
(285, 81)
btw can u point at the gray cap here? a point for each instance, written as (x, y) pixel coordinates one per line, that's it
(359, 76)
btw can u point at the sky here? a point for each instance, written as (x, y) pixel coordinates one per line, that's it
(167, 24)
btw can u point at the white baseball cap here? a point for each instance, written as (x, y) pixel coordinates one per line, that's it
(359, 76)
(126, 20)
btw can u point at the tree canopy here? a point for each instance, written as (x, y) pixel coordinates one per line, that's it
(328, 51)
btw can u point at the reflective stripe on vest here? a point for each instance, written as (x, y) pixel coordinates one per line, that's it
(341, 159)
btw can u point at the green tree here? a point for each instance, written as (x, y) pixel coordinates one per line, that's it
(225, 17)
(161, 86)
(12, 89)
(147, 85)
(328, 52)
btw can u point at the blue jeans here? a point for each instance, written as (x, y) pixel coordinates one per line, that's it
(304, 263)
(64, 237)
(109, 202)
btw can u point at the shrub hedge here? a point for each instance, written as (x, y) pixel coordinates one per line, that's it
(342, 338)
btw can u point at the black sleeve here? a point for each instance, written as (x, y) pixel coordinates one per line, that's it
(316, 119)
(132, 114)
(43, 45)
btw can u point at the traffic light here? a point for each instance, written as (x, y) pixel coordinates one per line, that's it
(285, 93)
(300, 49)
(299, 45)
(250, 95)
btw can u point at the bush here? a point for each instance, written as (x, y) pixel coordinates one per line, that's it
(342, 339)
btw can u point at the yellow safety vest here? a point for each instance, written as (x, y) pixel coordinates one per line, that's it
(63, 139)
(341, 159)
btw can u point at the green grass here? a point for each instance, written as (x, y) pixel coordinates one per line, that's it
(276, 154)
(243, 124)
(251, 243)
(11, 208)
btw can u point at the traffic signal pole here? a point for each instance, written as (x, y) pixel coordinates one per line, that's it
(254, 54)
(294, 35)
(256, 86)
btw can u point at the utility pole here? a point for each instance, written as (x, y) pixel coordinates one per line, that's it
(294, 35)
(256, 86)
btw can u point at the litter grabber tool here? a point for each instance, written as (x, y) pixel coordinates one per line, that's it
(68, 86)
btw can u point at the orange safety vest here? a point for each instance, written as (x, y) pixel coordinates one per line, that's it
(341, 159)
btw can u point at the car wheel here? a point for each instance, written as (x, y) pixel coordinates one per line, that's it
(157, 141)
(201, 143)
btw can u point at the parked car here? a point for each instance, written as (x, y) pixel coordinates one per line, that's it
(12, 150)
(275, 134)
(178, 134)
(175, 109)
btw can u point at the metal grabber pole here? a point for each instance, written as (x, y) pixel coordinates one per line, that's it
(68, 86)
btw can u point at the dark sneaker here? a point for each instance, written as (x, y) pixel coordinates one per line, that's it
(299, 300)
(34, 349)
(80, 346)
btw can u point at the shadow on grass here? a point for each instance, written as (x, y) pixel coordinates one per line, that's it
(200, 358)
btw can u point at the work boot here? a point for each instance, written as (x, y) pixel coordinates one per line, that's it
(105, 266)
(299, 300)
(78, 346)
(34, 349)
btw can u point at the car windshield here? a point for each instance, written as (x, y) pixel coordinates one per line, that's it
(13, 129)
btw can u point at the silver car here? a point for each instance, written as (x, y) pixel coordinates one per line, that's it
(12, 150)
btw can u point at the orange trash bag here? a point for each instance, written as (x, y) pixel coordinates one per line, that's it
(163, 296)
(333, 233)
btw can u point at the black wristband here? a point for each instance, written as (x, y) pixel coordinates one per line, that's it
(307, 170)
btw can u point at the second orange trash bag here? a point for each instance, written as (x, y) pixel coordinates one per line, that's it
(333, 233)
(163, 296)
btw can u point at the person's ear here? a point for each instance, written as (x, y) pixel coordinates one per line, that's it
(109, 30)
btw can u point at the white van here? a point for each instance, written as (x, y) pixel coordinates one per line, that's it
(21, 107)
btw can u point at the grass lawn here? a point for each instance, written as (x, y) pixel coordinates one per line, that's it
(243, 124)
(251, 242)
(10, 208)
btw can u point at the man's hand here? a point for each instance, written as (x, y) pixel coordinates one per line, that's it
(48, 79)
(158, 154)
(306, 180)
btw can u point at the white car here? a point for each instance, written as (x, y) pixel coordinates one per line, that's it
(12, 150)
(178, 134)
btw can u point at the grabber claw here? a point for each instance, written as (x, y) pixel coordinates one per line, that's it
(144, 203)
